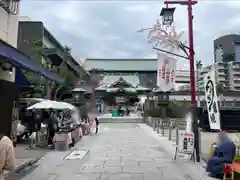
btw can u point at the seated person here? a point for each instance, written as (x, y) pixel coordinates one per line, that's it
(224, 154)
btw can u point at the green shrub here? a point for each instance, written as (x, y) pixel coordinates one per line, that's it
(154, 112)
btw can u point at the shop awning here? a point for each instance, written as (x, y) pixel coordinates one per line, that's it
(22, 81)
(20, 60)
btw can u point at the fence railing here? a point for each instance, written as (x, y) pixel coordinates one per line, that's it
(170, 129)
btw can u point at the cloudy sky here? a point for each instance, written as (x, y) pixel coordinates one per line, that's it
(107, 29)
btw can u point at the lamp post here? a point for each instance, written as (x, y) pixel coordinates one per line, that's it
(198, 67)
(190, 55)
(160, 36)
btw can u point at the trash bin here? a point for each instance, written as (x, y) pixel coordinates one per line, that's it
(115, 113)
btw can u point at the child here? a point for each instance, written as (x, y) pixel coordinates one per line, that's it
(97, 124)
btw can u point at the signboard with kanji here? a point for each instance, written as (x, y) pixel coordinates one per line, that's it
(186, 143)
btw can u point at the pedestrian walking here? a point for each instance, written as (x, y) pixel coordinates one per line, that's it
(97, 124)
(7, 158)
(92, 126)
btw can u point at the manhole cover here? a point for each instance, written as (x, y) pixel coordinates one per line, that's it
(77, 154)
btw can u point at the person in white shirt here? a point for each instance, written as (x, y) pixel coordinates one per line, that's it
(7, 157)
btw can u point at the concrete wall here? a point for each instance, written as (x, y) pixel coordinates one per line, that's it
(8, 33)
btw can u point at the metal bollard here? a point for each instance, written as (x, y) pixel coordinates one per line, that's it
(154, 124)
(162, 127)
(170, 131)
(200, 141)
(177, 136)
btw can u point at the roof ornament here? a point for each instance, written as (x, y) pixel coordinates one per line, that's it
(167, 38)
(121, 79)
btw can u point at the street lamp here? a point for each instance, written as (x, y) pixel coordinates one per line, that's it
(167, 16)
(163, 99)
(190, 3)
(158, 34)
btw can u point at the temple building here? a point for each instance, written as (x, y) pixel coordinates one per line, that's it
(126, 79)
(122, 80)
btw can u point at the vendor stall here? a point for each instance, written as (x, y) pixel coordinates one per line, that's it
(68, 127)
(62, 140)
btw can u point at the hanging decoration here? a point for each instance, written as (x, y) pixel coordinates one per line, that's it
(167, 38)
(166, 72)
(212, 100)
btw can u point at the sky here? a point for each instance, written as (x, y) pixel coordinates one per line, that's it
(107, 28)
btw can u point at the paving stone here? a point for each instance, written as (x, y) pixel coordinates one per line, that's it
(131, 169)
(154, 176)
(118, 152)
(80, 177)
(92, 169)
(121, 176)
(94, 163)
(130, 163)
(113, 163)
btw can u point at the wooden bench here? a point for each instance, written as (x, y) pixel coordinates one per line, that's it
(231, 169)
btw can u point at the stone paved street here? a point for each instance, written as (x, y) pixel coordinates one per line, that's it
(118, 152)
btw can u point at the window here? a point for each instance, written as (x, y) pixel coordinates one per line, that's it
(219, 54)
(237, 51)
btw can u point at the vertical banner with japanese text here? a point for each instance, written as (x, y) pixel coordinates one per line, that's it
(212, 100)
(166, 72)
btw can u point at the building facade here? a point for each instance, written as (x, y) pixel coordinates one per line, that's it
(34, 39)
(221, 74)
(227, 63)
(145, 68)
(8, 30)
(227, 48)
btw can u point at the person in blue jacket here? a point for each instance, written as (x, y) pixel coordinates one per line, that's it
(224, 154)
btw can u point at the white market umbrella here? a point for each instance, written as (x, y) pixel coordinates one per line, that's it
(47, 104)
(67, 105)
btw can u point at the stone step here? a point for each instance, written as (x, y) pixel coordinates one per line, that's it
(121, 120)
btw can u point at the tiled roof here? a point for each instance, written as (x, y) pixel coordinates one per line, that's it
(122, 64)
(110, 79)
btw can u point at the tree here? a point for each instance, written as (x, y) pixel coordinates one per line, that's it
(70, 80)
(63, 71)
(220, 88)
(35, 88)
(176, 109)
(42, 86)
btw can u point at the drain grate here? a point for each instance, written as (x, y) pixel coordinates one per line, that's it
(77, 154)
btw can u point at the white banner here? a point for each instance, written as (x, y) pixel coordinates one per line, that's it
(212, 100)
(166, 72)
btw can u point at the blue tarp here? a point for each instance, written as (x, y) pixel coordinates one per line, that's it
(20, 60)
(22, 81)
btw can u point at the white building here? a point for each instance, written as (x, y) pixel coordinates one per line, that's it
(9, 30)
(234, 75)
(183, 76)
(221, 74)
(227, 74)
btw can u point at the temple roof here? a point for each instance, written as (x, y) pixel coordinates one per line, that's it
(108, 80)
(132, 81)
(122, 64)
